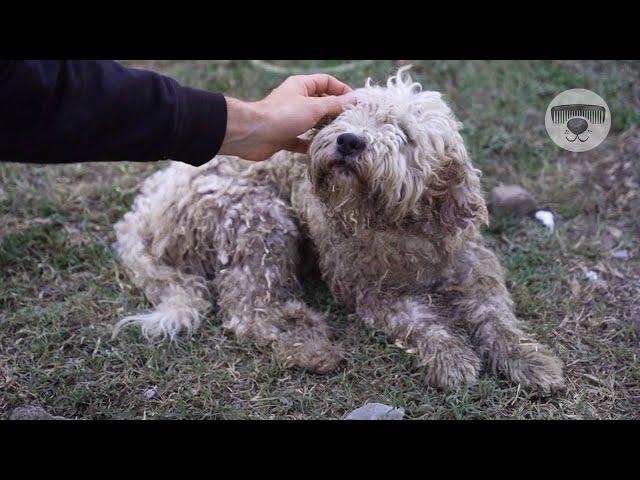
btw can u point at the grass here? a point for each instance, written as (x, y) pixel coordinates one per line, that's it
(61, 288)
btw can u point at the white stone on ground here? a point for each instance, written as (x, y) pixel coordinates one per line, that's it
(591, 276)
(376, 411)
(546, 218)
(149, 394)
(621, 254)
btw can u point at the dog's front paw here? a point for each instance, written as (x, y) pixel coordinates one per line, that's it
(451, 363)
(314, 353)
(533, 366)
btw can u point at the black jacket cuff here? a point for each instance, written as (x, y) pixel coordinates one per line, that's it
(200, 126)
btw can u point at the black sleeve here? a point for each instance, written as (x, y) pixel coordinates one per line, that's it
(79, 111)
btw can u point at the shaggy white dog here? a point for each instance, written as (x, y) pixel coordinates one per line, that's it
(392, 204)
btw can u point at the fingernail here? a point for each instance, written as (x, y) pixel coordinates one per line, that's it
(349, 98)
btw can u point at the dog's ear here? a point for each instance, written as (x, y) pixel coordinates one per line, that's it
(454, 195)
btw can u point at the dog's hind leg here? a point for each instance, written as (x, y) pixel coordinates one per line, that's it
(417, 326)
(180, 298)
(157, 244)
(485, 305)
(257, 285)
(169, 242)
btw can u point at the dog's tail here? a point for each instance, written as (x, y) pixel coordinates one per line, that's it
(181, 309)
(180, 299)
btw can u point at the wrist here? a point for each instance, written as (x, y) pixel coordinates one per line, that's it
(244, 124)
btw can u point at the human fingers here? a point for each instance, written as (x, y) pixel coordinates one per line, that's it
(315, 85)
(323, 84)
(332, 105)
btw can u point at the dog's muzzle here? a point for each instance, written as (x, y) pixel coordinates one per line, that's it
(347, 148)
(350, 144)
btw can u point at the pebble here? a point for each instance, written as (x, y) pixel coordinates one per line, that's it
(376, 411)
(546, 217)
(509, 200)
(149, 394)
(591, 276)
(31, 412)
(621, 254)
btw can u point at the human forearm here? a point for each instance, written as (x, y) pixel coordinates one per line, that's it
(73, 111)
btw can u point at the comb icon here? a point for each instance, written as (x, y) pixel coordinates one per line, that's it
(577, 120)
(563, 113)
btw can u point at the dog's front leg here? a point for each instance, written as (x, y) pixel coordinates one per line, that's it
(416, 326)
(485, 305)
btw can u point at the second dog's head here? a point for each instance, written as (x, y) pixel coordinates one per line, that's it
(396, 160)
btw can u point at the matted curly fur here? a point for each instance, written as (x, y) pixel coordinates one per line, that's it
(395, 226)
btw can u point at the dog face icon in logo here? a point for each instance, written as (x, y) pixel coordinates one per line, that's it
(578, 120)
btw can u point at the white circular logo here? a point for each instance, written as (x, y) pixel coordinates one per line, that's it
(578, 120)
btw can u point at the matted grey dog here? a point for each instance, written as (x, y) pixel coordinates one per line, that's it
(392, 204)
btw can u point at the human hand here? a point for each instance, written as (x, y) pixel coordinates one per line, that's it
(257, 130)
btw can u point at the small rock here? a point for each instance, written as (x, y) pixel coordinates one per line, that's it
(149, 394)
(376, 411)
(546, 218)
(511, 200)
(591, 276)
(31, 412)
(621, 254)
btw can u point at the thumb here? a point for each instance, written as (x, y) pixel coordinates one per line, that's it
(334, 105)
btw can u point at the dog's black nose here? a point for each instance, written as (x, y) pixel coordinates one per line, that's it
(350, 143)
(577, 125)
